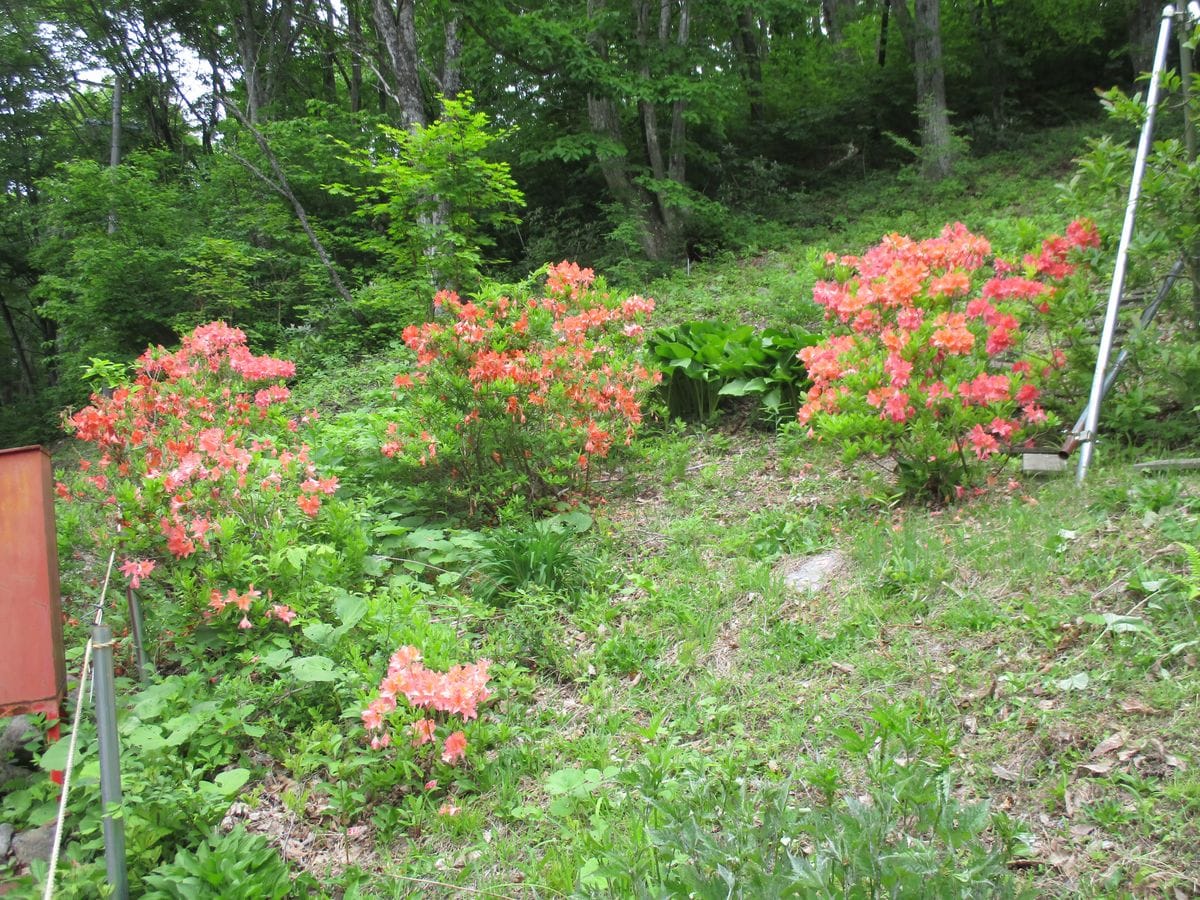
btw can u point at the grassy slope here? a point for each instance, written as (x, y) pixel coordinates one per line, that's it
(691, 666)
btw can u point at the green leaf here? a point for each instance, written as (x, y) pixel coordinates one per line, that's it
(231, 781)
(565, 781)
(55, 757)
(309, 669)
(350, 608)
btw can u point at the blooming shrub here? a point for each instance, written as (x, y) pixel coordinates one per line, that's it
(521, 396)
(198, 468)
(932, 358)
(458, 692)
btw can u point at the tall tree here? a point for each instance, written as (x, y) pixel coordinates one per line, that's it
(922, 32)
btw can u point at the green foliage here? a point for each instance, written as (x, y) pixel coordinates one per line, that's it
(543, 556)
(705, 361)
(435, 196)
(236, 865)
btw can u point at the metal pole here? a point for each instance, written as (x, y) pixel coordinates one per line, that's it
(110, 761)
(135, 629)
(1118, 282)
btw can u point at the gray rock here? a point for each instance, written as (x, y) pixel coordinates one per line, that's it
(809, 574)
(6, 836)
(15, 734)
(36, 844)
(10, 772)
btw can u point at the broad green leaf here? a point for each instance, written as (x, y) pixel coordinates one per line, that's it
(313, 668)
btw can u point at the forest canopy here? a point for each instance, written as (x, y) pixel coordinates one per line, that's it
(325, 166)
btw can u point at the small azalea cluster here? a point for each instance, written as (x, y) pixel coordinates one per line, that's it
(196, 443)
(458, 692)
(244, 602)
(525, 391)
(931, 357)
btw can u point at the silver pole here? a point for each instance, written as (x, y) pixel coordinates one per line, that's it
(110, 761)
(1088, 436)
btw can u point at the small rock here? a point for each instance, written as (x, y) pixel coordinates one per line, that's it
(6, 836)
(9, 772)
(809, 574)
(15, 734)
(36, 844)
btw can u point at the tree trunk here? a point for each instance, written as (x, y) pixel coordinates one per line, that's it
(249, 40)
(748, 47)
(452, 59)
(676, 167)
(356, 52)
(114, 144)
(923, 35)
(1144, 20)
(18, 346)
(398, 31)
(988, 28)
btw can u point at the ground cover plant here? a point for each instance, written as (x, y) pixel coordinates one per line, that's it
(543, 694)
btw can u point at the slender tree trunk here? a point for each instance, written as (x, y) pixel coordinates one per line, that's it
(606, 123)
(452, 58)
(280, 184)
(356, 51)
(114, 144)
(884, 16)
(748, 45)
(988, 28)
(676, 167)
(249, 41)
(398, 32)
(18, 346)
(923, 35)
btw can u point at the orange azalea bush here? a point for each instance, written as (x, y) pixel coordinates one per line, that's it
(522, 395)
(198, 471)
(936, 357)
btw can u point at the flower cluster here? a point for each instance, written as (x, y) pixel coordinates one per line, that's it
(931, 357)
(458, 692)
(523, 394)
(195, 447)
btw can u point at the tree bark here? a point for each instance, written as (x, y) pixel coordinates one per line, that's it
(452, 59)
(748, 45)
(114, 144)
(398, 32)
(356, 53)
(18, 346)
(922, 33)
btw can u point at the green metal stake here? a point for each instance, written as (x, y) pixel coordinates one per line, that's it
(135, 629)
(110, 760)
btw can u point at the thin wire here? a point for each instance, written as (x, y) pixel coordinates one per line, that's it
(79, 694)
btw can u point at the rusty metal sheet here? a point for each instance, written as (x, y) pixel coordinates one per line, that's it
(32, 666)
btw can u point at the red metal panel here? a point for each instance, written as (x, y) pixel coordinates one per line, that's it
(32, 667)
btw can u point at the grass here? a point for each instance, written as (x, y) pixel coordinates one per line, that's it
(991, 698)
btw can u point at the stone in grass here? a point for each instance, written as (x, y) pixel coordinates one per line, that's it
(36, 844)
(810, 574)
(16, 734)
(6, 836)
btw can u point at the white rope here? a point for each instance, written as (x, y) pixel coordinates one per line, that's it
(66, 785)
(79, 695)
